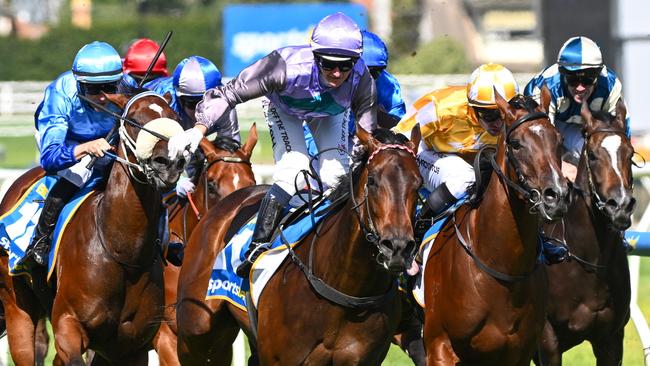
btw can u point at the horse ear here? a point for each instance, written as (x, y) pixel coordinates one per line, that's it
(207, 147)
(621, 113)
(545, 98)
(416, 136)
(168, 97)
(119, 100)
(365, 138)
(503, 106)
(251, 141)
(587, 117)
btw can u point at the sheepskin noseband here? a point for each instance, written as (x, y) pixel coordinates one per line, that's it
(146, 141)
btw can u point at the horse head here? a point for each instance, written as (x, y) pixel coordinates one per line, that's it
(227, 164)
(148, 123)
(606, 164)
(530, 146)
(388, 188)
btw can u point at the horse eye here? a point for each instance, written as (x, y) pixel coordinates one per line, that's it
(371, 180)
(592, 156)
(515, 144)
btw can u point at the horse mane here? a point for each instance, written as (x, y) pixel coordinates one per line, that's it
(521, 101)
(226, 143)
(382, 135)
(603, 116)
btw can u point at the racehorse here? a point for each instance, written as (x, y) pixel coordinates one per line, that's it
(225, 168)
(109, 286)
(357, 253)
(589, 296)
(484, 290)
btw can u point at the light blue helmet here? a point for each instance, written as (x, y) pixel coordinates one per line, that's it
(194, 75)
(97, 63)
(337, 35)
(579, 53)
(375, 53)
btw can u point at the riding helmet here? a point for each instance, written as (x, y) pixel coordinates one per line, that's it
(139, 56)
(97, 63)
(194, 75)
(480, 90)
(337, 37)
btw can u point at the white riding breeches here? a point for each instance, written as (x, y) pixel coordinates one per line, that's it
(438, 168)
(290, 150)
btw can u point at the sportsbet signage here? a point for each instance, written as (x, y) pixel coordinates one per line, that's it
(252, 31)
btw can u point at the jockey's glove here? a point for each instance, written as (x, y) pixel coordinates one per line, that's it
(184, 186)
(187, 140)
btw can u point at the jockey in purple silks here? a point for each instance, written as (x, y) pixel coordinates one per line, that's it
(319, 84)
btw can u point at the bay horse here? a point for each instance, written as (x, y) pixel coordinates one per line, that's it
(225, 168)
(358, 252)
(589, 296)
(108, 275)
(485, 294)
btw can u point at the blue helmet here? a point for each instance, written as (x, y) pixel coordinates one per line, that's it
(194, 75)
(375, 53)
(579, 53)
(97, 63)
(337, 35)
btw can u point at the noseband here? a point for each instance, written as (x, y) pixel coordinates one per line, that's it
(369, 231)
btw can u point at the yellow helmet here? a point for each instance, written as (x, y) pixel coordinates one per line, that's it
(480, 90)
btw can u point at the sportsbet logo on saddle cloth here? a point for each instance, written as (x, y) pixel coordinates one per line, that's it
(225, 284)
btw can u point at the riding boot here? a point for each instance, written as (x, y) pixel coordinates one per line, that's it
(439, 201)
(56, 199)
(268, 218)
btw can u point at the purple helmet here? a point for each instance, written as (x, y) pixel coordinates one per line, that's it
(337, 35)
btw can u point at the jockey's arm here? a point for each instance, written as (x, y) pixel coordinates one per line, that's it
(364, 103)
(261, 78)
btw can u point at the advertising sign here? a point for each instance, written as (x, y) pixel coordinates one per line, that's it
(251, 31)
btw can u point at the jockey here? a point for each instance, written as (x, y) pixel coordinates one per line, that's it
(579, 75)
(139, 57)
(192, 77)
(456, 122)
(71, 132)
(316, 84)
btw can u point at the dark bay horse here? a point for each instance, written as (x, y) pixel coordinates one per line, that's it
(109, 286)
(359, 251)
(485, 294)
(225, 169)
(589, 296)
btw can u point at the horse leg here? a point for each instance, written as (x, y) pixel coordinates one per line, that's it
(21, 330)
(548, 351)
(41, 342)
(440, 353)
(609, 350)
(410, 341)
(165, 345)
(70, 339)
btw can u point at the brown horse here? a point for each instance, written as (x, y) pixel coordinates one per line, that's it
(109, 287)
(484, 290)
(357, 253)
(225, 169)
(589, 296)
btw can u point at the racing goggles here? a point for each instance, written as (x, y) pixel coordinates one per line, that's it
(375, 71)
(190, 102)
(95, 89)
(586, 78)
(329, 65)
(488, 115)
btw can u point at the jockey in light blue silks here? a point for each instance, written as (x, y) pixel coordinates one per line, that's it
(317, 84)
(191, 78)
(390, 104)
(578, 75)
(70, 132)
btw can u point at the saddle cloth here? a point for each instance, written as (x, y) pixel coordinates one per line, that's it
(225, 284)
(17, 225)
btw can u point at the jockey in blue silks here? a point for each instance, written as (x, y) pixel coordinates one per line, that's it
(191, 78)
(391, 106)
(578, 75)
(318, 84)
(70, 132)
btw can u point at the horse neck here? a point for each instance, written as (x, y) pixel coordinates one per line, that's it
(506, 233)
(200, 195)
(128, 216)
(356, 271)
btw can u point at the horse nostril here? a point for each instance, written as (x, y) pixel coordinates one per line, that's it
(162, 160)
(611, 203)
(180, 164)
(551, 195)
(386, 243)
(630, 205)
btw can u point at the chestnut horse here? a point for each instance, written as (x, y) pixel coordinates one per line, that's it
(357, 253)
(225, 169)
(589, 296)
(109, 286)
(485, 294)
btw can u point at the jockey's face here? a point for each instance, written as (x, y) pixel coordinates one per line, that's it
(94, 91)
(580, 84)
(334, 72)
(189, 105)
(490, 120)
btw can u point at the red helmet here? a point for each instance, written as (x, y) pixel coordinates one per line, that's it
(139, 56)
